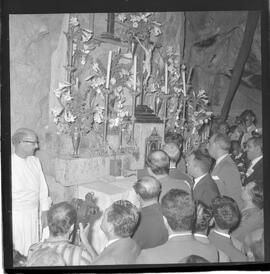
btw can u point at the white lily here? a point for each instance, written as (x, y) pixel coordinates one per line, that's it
(74, 21)
(64, 85)
(69, 117)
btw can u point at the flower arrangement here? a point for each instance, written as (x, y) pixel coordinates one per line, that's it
(121, 79)
(140, 25)
(75, 109)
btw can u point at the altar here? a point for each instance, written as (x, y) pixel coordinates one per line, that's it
(107, 190)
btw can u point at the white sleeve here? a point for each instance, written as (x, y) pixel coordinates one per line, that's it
(44, 199)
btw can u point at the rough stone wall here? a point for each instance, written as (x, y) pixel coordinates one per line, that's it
(32, 40)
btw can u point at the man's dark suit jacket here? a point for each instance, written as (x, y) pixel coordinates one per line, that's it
(205, 190)
(174, 173)
(168, 183)
(257, 174)
(176, 249)
(151, 230)
(225, 244)
(123, 251)
(227, 178)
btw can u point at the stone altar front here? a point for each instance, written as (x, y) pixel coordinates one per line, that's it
(107, 190)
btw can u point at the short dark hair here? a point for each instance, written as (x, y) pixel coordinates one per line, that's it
(204, 215)
(179, 209)
(193, 259)
(159, 162)
(256, 193)
(257, 141)
(124, 216)
(173, 137)
(226, 212)
(223, 141)
(202, 160)
(61, 217)
(148, 187)
(248, 112)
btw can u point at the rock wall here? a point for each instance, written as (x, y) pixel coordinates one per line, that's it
(209, 41)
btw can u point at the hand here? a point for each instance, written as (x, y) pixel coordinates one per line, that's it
(84, 233)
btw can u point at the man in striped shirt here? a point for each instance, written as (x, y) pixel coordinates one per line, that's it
(61, 220)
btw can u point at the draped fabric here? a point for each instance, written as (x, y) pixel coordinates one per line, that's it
(29, 198)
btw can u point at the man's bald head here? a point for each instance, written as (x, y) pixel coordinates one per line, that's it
(159, 162)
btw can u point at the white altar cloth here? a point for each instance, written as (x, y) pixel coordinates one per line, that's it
(108, 190)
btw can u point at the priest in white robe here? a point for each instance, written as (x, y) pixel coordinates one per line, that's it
(30, 200)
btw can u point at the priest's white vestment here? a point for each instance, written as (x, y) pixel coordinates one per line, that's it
(29, 199)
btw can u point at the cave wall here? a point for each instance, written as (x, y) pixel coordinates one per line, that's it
(33, 39)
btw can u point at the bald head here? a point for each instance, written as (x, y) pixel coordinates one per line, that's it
(20, 133)
(173, 151)
(159, 162)
(148, 188)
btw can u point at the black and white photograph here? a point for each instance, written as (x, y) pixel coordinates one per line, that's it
(136, 139)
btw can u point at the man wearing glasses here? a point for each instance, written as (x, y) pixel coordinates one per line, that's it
(30, 200)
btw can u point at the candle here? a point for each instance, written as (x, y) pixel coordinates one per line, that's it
(135, 72)
(166, 78)
(109, 69)
(189, 75)
(184, 80)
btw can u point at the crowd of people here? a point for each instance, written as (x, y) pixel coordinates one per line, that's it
(208, 210)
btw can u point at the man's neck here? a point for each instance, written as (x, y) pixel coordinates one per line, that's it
(149, 203)
(220, 154)
(225, 231)
(20, 154)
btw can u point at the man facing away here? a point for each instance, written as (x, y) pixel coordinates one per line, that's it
(174, 153)
(159, 166)
(151, 230)
(204, 188)
(226, 216)
(30, 198)
(118, 223)
(225, 172)
(61, 220)
(179, 211)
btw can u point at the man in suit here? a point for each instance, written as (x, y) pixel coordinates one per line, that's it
(179, 211)
(204, 188)
(159, 166)
(151, 230)
(227, 216)
(204, 218)
(254, 149)
(225, 172)
(174, 153)
(119, 223)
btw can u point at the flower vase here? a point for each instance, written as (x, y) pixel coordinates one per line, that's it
(158, 104)
(114, 141)
(76, 141)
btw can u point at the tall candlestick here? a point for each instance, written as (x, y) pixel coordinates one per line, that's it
(189, 75)
(166, 78)
(109, 69)
(135, 72)
(184, 80)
